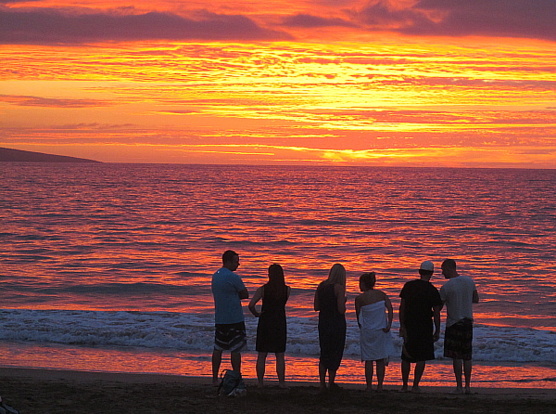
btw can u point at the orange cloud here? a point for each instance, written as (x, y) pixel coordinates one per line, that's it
(399, 86)
(51, 102)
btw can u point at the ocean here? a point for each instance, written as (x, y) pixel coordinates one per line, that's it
(107, 267)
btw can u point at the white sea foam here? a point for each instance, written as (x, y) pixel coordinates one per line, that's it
(194, 332)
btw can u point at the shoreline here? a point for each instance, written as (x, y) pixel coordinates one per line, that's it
(83, 377)
(302, 369)
(65, 391)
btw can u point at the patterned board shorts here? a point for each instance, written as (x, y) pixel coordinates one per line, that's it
(458, 340)
(230, 337)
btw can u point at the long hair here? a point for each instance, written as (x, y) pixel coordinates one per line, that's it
(337, 275)
(276, 281)
(276, 275)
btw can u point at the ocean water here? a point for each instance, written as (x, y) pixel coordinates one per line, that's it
(107, 266)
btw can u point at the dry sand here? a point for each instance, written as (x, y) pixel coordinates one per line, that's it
(35, 391)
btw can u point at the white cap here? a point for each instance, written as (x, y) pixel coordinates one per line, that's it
(427, 265)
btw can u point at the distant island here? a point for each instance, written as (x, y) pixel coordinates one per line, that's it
(13, 155)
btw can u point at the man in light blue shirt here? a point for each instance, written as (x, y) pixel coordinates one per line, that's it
(228, 290)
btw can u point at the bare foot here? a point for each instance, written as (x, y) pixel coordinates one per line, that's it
(334, 387)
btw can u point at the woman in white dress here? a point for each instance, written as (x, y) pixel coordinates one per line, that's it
(374, 316)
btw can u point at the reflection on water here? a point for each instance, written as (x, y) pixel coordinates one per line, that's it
(148, 237)
(298, 368)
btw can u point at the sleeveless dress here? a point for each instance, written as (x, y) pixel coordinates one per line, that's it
(332, 328)
(272, 329)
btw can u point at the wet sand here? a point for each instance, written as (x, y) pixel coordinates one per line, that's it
(37, 391)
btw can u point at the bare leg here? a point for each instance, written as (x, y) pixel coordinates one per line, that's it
(216, 361)
(322, 376)
(458, 365)
(467, 368)
(369, 375)
(261, 363)
(418, 374)
(236, 361)
(380, 371)
(331, 378)
(281, 369)
(406, 368)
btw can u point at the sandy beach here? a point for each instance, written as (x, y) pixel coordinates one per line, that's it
(36, 391)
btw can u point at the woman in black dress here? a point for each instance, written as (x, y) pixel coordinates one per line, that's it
(271, 330)
(330, 302)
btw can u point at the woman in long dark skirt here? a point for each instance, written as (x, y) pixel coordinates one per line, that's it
(330, 302)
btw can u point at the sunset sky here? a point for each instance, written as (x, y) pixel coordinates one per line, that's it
(462, 83)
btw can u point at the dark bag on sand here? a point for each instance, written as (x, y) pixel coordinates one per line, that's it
(231, 384)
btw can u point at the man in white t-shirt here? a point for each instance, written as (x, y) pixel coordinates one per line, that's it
(459, 294)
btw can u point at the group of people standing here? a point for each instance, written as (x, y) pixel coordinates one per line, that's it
(419, 317)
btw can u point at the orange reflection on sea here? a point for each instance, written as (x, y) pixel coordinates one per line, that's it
(298, 368)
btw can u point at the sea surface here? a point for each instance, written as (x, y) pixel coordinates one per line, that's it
(107, 267)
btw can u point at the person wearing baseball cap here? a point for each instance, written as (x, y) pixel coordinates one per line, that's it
(419, 307)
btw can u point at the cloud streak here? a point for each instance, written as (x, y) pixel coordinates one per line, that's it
(310, 21)
(455, 18)
(22, 100)
(50, 26)
(447, 18)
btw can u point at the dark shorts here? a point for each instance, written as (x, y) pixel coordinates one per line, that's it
(419, 342)
(458, 340)
(230, 337)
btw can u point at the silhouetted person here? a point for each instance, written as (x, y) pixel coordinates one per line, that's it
(420, 305)
(272, 328)
(374, 316)
(330, 302)
(459, 294)
(228, 290)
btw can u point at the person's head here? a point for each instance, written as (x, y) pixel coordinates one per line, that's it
(367, 281)
(426, 270)
(230, 260)
(337, 275)
(449, 268)
(276, 275)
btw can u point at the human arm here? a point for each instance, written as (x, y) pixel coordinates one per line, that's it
(243, 294)
(239, 286)
(358, 308)
(316, 301)
(390, 310)
(401, 316)
(256, 297)
(436, 317)
(475, 296)
(341, 298)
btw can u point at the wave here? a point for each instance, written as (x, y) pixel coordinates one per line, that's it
(110, 288)
(194, 332)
